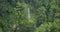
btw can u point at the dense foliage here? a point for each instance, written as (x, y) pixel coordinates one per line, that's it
(44, 16)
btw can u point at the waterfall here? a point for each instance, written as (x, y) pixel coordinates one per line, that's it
(29, 13)
(30, 16)
(35, 25)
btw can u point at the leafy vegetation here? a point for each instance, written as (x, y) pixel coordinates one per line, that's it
(29, 15)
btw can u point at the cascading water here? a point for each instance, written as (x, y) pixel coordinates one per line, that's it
(29, 13)
(29, 16)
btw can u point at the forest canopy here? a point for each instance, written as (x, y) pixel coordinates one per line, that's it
(29, 15)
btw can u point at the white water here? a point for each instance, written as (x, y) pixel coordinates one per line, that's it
(29, 16)
(29, 13)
